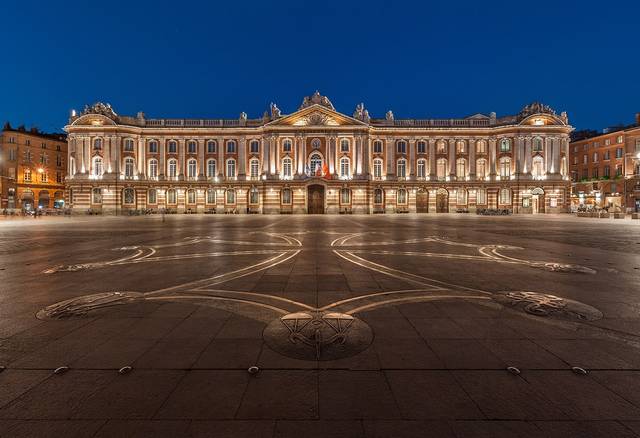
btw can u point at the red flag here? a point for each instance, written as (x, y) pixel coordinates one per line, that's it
(325, 171)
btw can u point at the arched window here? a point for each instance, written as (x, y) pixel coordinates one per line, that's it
(254, 168)
(344, 145)
(211, 196)
(505, 196)
(128, 167)
(481, 168)
(192, 168)
(377, 168)
(128, 196)
(231, 196)
(254, 196)
(401, 196)
(421, 168)
(211, 147)
(96, 195)
(505, 167)
(97, 143)
(537, 167)
(97, 166)
(191, 196)
(461, 168)
(537, 144)
(481, 147)
(422, 147)
(345, 196)
(401, 147)
(26, 175)
(505, 145)
(481, 197)
(172, 146)
(128, 145)
(287, 196)
(315, 163)
(153, 168)
(401, 168)
(441, 168)
(152, 196)
(231, 147)
(461, 147)
(286, 145)
(462, 197)
(231, 168)
(171, 197)
(378, 196)
(377, 147)
(254, 147)
(315, 143)
(172, 168)
(344, 167)
(286, 168)
(441, 147)
(192, 147)
(153, 147)
(211, 168)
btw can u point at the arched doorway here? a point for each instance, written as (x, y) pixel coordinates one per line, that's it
(315, 199)
(537, 200)
(43, 199)
(442, 201)
(422, 201)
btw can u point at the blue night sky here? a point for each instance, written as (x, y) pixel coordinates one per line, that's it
(208, 60)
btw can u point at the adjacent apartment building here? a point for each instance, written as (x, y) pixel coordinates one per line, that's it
(32, 169)
(605, 168)
(318, 160)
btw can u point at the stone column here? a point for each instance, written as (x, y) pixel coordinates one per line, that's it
(452, 159)
(141, 158)
(117, 156)
(358, 171)
(411, 170)
(432, 159)
(181, 160)
(221, 163)
(273, 145)
(472, 159)
(547, 155)
(527, 157)
(331, 154)
(162, 162)
(202, 175)
(242, 158)
(264, 154)
(555, 156)
(389, 157)
(276, 151)
(80, 154)
(492, 159)
(106, 155)
(366, 158)
(519, 153)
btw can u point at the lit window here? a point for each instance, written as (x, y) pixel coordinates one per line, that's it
(286, 168)
(345, 196)
(211, 196)
(286, 196)
(344, 167)
(152, 196)
(211, 168)
(505, 167)
(192, 168)
(172, 168)
(481, 196)
(128, 167)
(441, 168)
(481, 147)
(96, 195)
(462, 197)
(231, 168)
(402, 168)
(481, 168)
(377, 168)
(128, 196)
(254, 168)
(505, 145)
(172, 197)
(460, 147)
(191, 196)
(421, 169)
(401, 196)
(315, 164)
(254, 196)
(461, 168)
(231, 196)
(505, 196)
(153, 168)
(441, 147)
(97, 166)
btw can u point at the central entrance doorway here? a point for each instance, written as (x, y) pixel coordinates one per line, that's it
(422, 201)
(315, 199)
(442, 201)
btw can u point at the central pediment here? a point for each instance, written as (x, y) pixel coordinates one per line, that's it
(316, 115)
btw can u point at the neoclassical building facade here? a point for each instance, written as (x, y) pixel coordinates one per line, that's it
(318, 160)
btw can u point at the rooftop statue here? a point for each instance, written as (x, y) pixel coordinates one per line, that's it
(316, 99)
(100, 108)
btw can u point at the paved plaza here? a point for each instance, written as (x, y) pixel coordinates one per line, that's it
(320, 326)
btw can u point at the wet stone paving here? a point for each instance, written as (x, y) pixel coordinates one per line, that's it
(320, 326)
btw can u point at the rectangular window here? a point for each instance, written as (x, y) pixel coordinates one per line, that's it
(481, 197)
(619, 139)
(606, 155)
(12, 154)
(422, 147)
(585, 159)
(607, 171)
(58, 177)
(595, 172)
(607, 142)
(619, 153)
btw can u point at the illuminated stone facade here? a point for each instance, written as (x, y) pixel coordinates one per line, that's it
(318, 160)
